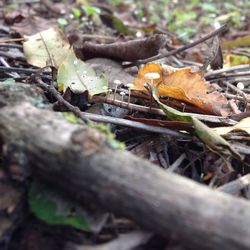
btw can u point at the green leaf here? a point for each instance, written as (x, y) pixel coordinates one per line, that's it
(117, 24)
(62, 22)
(209, 7)
(50, 206)
(76, 12)
(171, 113)
(91, 10)
(79, 77)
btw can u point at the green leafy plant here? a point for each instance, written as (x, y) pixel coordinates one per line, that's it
(62, 22)
(91, 10)
(52, 207)
(76, 12)
(48, 206)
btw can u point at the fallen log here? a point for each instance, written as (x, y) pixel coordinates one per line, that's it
(80, 161)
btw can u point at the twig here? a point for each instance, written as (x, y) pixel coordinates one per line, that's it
(177, 163)
(173, 52)
(9, 45)
(235, 187)
(14, 74)
(133, 124)
(220, 71)
(237, 137)
(56, 94)
(86, 117)
(240, 98)
(187, 62)
(19, 70)
(130, 106)
(10, 40)
(237, 90)
(241, 148)
(231, 79)
(245, 73)
(12, 56)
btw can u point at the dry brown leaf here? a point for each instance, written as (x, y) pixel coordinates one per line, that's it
(125, 51)
(182, 84)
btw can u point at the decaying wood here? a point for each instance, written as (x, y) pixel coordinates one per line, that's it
(79, 161)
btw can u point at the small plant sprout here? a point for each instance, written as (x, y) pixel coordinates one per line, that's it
(183, 106)
(129, 86)
(122, 94)
(109, 91)
(151, 76)
(117, 84)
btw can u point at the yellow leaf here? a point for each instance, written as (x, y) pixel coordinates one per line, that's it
(239, 42)
(243, 125)
(46, 48)
(234, 60)
(182, 84)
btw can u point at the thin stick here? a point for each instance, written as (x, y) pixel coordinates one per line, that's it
(12, 40)
(86, 117)
(231, 79)
(131, 106)
(19, 70)
(133, 124)
(12, 56)
(240, 98)
(220, 71)
(173, 167)
(235, 187)
(56, 94)
(234, 88)
(11, 45)
(12, 74)
(173, 52)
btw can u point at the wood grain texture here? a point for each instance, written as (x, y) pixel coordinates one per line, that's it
(79, 161)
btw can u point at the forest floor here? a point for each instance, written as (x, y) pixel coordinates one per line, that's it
(202, 70)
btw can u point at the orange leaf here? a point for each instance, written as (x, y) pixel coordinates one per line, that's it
(182, 84)
(140, 80)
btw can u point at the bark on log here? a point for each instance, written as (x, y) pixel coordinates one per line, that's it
(79, 161)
